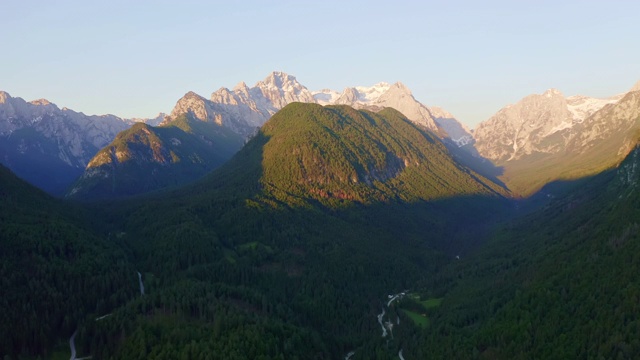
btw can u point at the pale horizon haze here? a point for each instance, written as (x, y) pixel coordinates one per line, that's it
(137, 58)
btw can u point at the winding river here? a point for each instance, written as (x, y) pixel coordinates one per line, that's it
(141, 284)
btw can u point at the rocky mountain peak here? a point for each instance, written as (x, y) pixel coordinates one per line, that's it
(41, 102)
(4, 97)
(280, 89)
(349, 96)
(635, 87)
(279, 80)
(241, 88)
(190, 102)
(552, 93)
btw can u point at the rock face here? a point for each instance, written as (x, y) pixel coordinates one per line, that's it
(47, 146)
(244, 109)
(548, 137)
(536, 124)
(399, 97)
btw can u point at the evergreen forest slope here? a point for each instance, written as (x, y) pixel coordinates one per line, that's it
(559, 283)
(286, 251)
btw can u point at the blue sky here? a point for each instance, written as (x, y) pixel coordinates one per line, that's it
(137, 58)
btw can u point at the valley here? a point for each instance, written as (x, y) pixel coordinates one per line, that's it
(266, 222)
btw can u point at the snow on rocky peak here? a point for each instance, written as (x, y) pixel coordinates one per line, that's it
(325, 96)
(581, 107)
(536, 124)
(397, 96)
(372, 93)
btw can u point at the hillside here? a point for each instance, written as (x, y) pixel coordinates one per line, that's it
(144, 158)
(297, 237)
(56, 270)
(556, 284)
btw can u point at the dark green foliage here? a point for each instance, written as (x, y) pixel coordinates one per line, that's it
(54, 272)
(290, 249)
(561, 283)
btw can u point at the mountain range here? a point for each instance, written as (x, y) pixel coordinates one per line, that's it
(333, 231)
(50, 147)
(538, 140)
(243, 111)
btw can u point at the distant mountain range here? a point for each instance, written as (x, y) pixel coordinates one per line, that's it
(243, 111)
(540, 139)
(550, 137)
(333, 232)
(50, 147)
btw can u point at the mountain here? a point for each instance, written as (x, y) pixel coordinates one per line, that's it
(547, 137)
(281, 250)
(243, 109)
(145, 158)
(399, 97)
(555, 284)
(365, 156)
(50, 147)
(155, 121)
(532, 125)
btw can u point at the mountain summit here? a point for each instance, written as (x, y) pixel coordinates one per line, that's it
(546, 137)
(244, 109)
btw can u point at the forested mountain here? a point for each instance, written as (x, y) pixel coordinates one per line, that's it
(559, 283)
(333, 233)
(55, 270)
(276, 256)
(145, 158)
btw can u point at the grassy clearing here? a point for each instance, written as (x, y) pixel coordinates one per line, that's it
(417, 312)
(420, 320)
(431, 303)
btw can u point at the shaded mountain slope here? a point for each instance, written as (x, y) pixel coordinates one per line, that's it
(145, 158)
(558, 284)
(290, 245)
(55, 271)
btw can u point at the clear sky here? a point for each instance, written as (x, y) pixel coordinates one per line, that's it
(135, 58)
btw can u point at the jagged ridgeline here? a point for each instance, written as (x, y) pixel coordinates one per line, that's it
(145, 158)
(337, 153)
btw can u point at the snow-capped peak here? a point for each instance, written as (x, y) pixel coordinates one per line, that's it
(371, 93)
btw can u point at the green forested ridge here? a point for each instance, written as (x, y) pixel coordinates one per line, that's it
(290, 249)
(145, 158)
